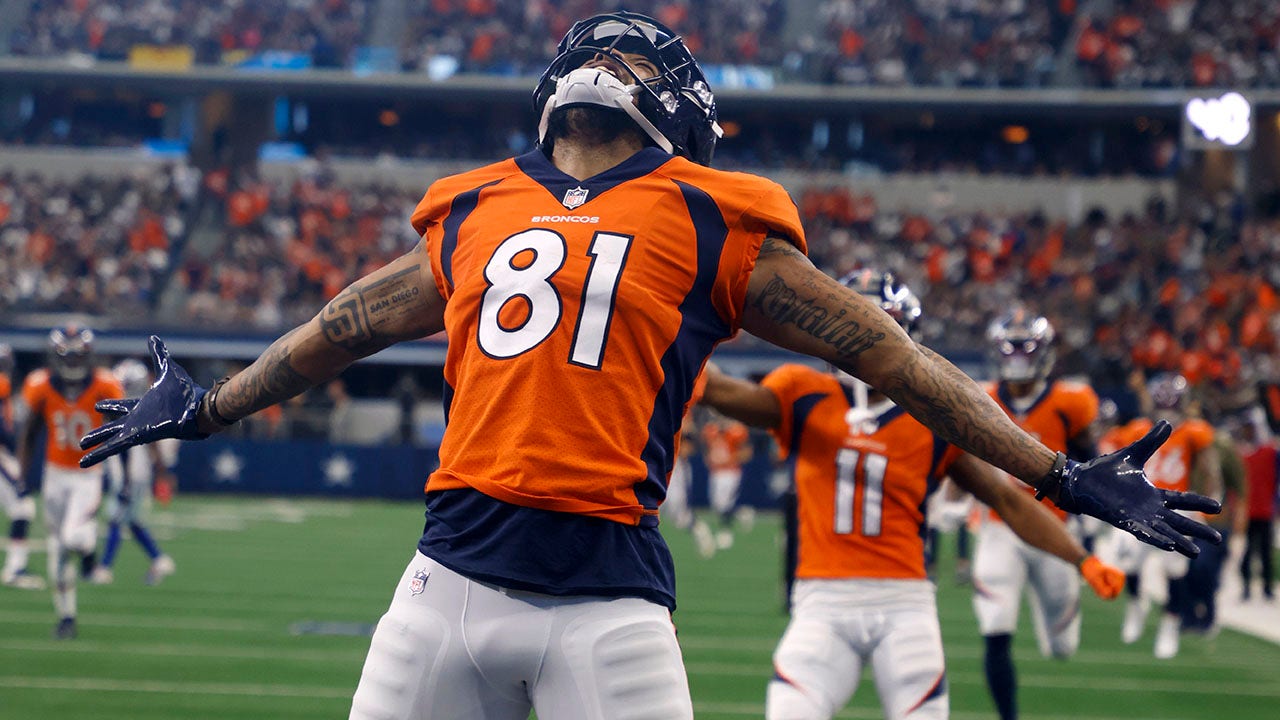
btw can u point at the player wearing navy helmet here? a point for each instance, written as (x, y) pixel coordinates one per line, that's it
(541, 580)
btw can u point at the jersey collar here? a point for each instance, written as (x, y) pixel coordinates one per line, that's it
(541, 170)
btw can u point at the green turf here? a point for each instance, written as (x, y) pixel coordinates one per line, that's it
(214, 641)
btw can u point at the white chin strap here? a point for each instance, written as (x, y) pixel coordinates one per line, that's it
(861, 416)
(594, 86)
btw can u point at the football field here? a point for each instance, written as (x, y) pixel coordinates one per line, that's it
(267, 614)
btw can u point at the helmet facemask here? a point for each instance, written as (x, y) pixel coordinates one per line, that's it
(1022, 347)
(70, 353)
(675, 109)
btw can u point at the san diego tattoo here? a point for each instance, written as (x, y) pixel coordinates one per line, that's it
(352, 319)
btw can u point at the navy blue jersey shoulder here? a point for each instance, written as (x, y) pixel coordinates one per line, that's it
(544, 551)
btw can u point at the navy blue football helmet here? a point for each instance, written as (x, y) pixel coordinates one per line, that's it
(886, 291)
(678, 101)
(71, 352)
(1021, 345)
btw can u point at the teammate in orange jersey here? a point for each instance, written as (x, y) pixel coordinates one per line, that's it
(582, 286)
(726, 448)
(15, 498)
(676, 508)
(1060, 414)
(864, 470)
(61, 399)
(1161, 579)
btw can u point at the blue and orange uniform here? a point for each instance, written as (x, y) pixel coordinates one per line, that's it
(619, 288)
(861, 494)
(66, 414)
(1059, 417)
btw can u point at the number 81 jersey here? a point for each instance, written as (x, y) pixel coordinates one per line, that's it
(579, 314)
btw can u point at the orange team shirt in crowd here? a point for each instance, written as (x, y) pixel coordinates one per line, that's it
(724, 442)
(591, 306)
(1169, 468)
(861, 492)
(66, 420)
(1063, 411)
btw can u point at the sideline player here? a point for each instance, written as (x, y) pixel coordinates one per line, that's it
(1160, 579)
(864, 470)
(582, 286)
(1059, 413)
(130, 477)
(61, 398)
(676, 508)
(726, 448)
(15, 499)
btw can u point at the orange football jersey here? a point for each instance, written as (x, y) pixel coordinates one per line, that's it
(1062, 412)
(1170, 466)
(861, 492)
(724, 443)
(6, 408)
(66, 420)
(618, 287)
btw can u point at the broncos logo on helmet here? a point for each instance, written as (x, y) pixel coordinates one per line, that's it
(676, 108)
(886, 291)
(1022, 346)
(70, 352)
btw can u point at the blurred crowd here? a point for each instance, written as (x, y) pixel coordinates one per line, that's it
(988, 43)
(326, 30)
(1194, 293)
(98, 245)
(287, 248)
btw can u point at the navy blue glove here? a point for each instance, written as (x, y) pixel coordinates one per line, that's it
(1114, 488)
(167, 410)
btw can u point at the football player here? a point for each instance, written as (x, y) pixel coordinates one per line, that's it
(582, 286)
(130, 477)
(61, 398)
(676, 508)
(1159, 579)
(726, 448)
(1059, 413)
(864, 471)
(15, 498)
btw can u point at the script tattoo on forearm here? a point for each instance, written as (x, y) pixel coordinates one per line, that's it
(270, 379)
(785, 306)
(356, 319)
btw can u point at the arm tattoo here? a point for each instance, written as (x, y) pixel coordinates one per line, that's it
(353, 318)
(950, 403)
(782, 304)
(269, 380)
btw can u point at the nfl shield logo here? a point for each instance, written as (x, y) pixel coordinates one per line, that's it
(419, 582)
(575, 197)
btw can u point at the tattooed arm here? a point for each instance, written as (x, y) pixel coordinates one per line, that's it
(395, 303)
(794, 305)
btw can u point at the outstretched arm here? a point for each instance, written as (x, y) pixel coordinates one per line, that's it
(792, 304)
(1028, 519)
(1033, 522)
(395, 303)
(741, 400)
(398, 302)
